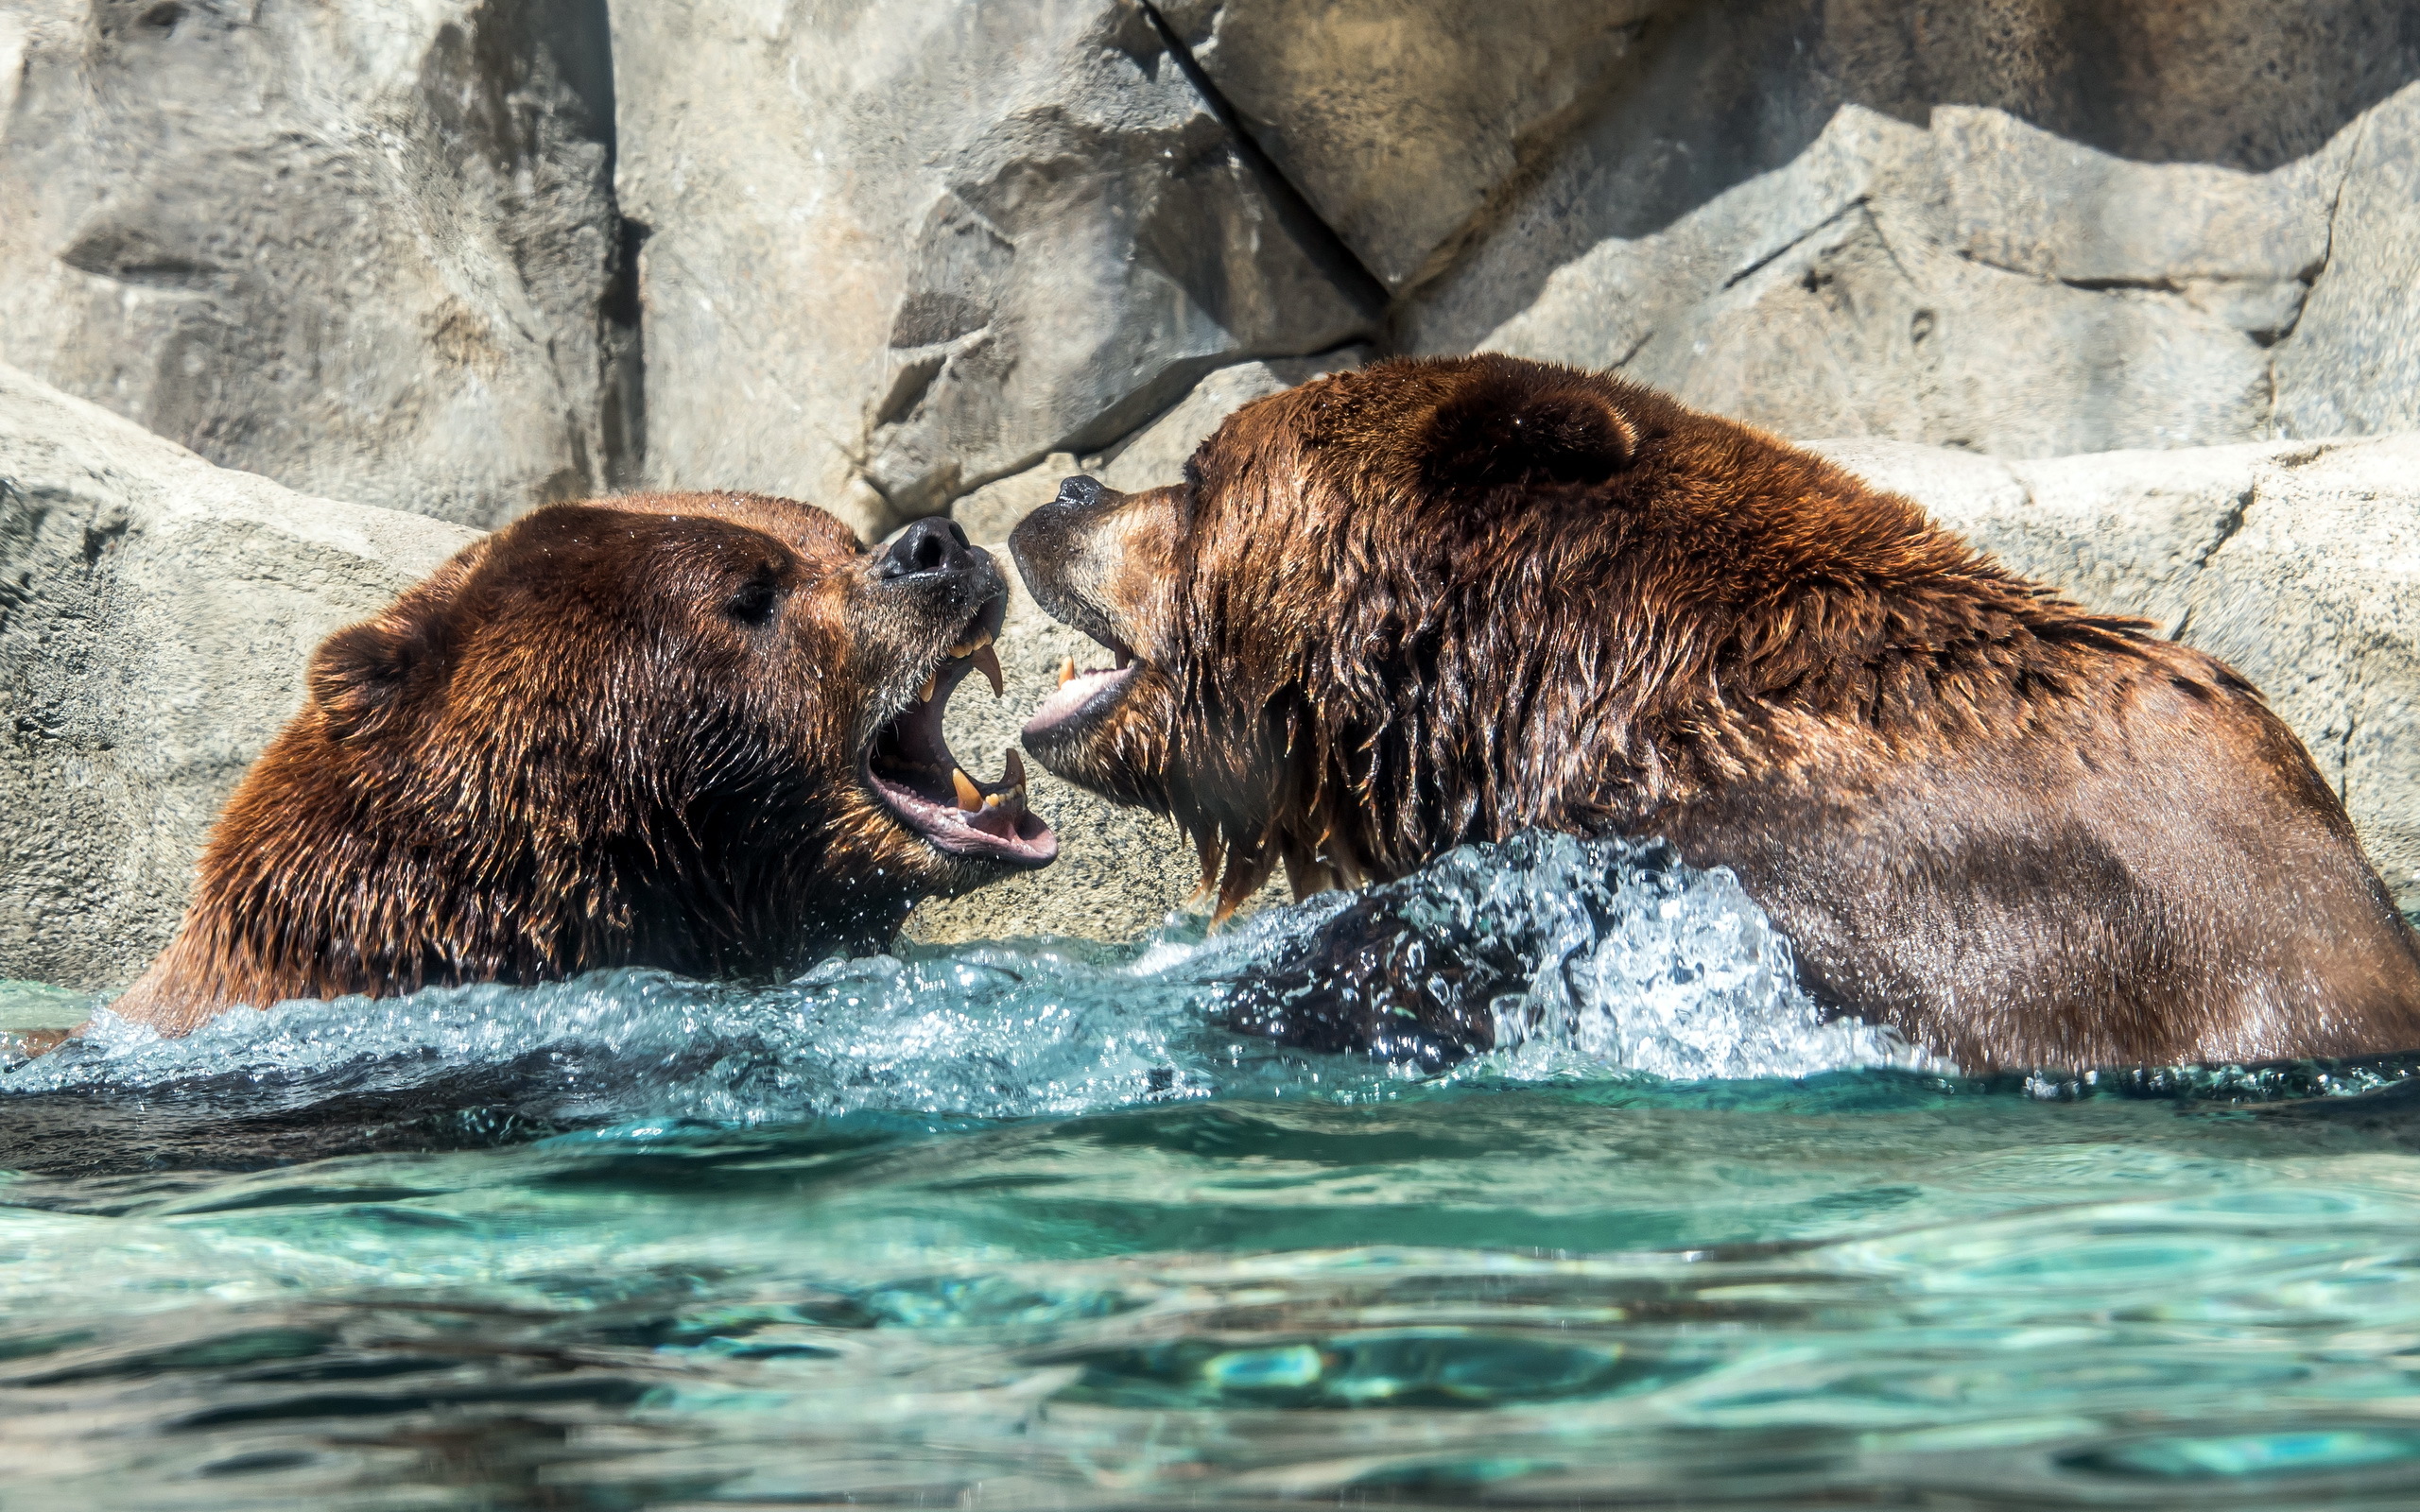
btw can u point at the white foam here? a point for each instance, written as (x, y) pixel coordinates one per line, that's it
(1635, 965)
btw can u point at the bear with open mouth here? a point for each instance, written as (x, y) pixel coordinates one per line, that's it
(1444, 600)
(700, 733)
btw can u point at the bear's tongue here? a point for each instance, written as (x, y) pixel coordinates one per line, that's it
(912, 769)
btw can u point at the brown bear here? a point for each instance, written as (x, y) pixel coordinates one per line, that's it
(698, 733)
(1439, 601)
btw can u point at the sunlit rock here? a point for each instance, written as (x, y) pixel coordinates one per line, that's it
(2015, 229)
(898, 251)
(156, 614)
(368, 250)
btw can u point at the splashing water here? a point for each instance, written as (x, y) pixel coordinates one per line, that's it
(1627, 962)
(1029, 1226)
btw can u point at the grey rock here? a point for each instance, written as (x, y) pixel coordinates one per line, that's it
(1152, 455)
(1399, 122)
(2018, 229)
(156, 615)
(2298, 563)
(1982, 283)
(369, 250)
(1157, 455)
(2352, 366)
(898, 252)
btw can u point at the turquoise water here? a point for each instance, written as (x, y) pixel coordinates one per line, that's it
(1017, 1226)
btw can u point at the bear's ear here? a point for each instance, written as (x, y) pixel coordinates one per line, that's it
(1508, 427)
(357, 675)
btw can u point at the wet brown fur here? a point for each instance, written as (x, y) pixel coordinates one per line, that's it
(1439, 601)
(620, 734)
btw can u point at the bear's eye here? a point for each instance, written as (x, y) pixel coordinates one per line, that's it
(753, 602)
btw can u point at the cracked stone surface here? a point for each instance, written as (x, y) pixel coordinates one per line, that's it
(1399, 122)
(367, 251)
(2012, 227)
(2298, 563)
(2352, 366)
(1979, 284)
(898, 251)
(156, 614)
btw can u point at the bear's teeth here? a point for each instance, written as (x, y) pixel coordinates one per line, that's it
(989, 660)
(982, 638)
(930, 683)
(1067, 671)
(1013, 778)
(1124, 658)
(970, 798)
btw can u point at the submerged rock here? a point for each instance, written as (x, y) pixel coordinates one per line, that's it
(369, 250)
(156, 613)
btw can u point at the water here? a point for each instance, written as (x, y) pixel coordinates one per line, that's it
(1018, 1226)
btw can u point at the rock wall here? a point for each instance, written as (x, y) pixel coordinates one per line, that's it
(368, 249)
(457, 257)
(2020, 226)
(454, 257)
(156, 614)
(898, 251)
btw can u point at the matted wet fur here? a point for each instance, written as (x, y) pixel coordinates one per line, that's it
(1437, 601)
(632, 732)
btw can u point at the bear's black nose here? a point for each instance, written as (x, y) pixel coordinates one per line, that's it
(929, 545)
(1081, 491)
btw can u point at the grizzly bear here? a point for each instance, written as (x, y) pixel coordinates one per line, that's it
(1439, 601)
(696, 733)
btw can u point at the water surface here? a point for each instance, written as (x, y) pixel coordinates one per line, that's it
(1019, 1225)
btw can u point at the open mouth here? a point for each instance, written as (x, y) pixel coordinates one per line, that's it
(1083, 695)
(909, 767)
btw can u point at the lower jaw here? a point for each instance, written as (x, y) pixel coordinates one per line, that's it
(1023, 841)
(1080, 703)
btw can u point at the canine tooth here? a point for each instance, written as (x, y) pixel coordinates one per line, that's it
(1067, 671)
(1124, 658)
(989, 661)
(1015, 777)
(970, 798)
(930, 683)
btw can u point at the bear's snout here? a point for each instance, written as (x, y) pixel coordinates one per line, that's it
(930, 546)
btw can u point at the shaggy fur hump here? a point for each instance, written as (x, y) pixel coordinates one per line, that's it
(1507, 429)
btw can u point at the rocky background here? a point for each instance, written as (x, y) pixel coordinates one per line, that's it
(455, 259)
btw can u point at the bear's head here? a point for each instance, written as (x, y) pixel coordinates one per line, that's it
(694, 731)
(1395, 610)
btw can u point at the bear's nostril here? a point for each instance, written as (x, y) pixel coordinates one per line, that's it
(930, 546)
